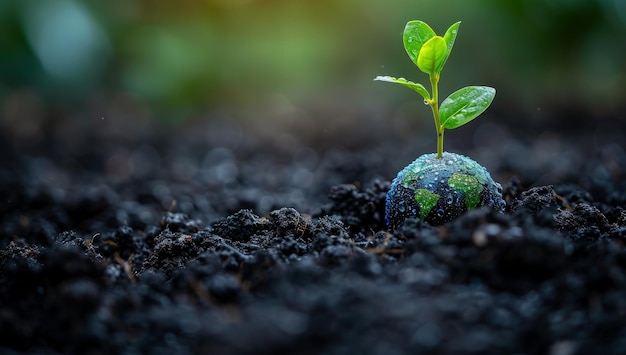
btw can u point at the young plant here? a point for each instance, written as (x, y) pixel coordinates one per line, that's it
(440, 187)
(430, 52)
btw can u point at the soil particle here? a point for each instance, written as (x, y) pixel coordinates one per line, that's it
(585, 220)
(241, 226)
(180, 222)
(536, 199)
(359, 208)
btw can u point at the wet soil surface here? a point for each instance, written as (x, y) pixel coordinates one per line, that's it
(183, 246)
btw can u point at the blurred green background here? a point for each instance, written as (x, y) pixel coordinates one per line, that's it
(176, 60)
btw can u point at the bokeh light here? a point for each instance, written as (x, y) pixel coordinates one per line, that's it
(180, 60)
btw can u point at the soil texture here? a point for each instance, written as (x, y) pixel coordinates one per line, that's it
(180, 245)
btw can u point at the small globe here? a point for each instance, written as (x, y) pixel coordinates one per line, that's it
(439, 190)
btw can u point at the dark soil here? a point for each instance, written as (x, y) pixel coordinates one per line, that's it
(193, 244)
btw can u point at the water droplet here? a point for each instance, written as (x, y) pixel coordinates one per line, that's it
(440, 212)
(401, 207)
(450, 200)
(426, 102)
(491, 203)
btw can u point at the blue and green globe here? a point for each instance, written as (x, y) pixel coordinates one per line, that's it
(439, 190)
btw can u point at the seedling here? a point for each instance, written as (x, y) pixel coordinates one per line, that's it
(430, 52)
(438, 188)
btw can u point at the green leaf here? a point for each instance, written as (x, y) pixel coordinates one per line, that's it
(433, 55)
(450, 36)
(419, 88)
(465, 104)
(416, 33)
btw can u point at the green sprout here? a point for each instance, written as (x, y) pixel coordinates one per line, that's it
(430, 52)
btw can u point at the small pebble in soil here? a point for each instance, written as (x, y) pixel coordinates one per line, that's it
(439, 190)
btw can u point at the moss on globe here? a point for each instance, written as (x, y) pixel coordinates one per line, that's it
(439, 190)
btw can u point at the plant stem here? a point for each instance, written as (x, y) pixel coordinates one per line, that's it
(434, 105)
